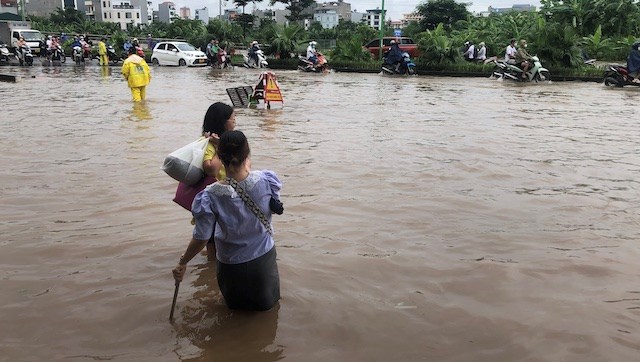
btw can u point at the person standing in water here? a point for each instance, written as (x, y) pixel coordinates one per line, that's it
(136, 71)
(237, 210)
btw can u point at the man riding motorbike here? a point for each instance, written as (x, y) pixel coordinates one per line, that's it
(523, 58)
(312, 54)
(394, 56)
(633, 63)
(252, 51)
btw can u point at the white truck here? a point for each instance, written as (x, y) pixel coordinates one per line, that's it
(11, 31)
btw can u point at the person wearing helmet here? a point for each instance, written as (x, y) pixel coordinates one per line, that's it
(252, 52)
(393, 56)
(102, 51)
(312, 54)
(523, 58)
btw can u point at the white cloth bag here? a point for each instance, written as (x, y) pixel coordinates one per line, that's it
(185, 163)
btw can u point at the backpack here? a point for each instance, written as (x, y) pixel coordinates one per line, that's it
(475, 52)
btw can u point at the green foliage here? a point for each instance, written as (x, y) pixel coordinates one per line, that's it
(596, 45)
(436, 47)
(446, 12)
(350, 49)
(286, 39)
(296, 8)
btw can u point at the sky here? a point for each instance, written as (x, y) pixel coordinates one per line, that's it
(395, 8)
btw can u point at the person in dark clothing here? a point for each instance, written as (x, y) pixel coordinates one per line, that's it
(633, 63)
(394, 54)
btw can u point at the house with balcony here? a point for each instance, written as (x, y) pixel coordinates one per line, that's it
(167, 12)
(373, 18)
(202, 15)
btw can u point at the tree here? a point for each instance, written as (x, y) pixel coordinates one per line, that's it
(446, 12)
(296, 8)
(243, 3)
(286, 39)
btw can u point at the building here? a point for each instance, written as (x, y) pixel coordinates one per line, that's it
(357, 17)
(202, 15)
(45, 8)
(185, 13)
(9, 6)
(328, 18)
(277, 15)
(167, 12)
(373, 18)
(407, 18)
(125, 13)
(517, 8)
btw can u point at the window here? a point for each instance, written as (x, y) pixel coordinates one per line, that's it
(127, 15)
(105, 15)
(171, 47)
(137, 15)
(104, 5)
(118, 15)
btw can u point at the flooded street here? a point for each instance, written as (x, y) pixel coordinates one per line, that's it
(426, 219)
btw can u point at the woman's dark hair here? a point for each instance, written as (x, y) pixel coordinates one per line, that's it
(233, 148)
(217, 115)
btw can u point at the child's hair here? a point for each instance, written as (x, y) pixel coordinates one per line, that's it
(233, 148)
(217, 115)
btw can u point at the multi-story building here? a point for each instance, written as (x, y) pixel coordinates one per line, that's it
(342, 8)
(167, 12)
(328, 18)
(185, 13)
(407, 18)
(125, 13)
(9, 6)
(202, 15)
(149, 12)
(373, 18)
(277, 15)
(47, 7)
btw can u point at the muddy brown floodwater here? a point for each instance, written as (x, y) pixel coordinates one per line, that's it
(426, 219)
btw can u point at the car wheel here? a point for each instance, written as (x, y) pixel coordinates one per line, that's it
(155, 61)
(182, 63)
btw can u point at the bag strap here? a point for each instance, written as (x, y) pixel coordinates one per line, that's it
(250, 204)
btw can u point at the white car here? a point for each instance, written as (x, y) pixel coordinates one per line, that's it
(177, 53)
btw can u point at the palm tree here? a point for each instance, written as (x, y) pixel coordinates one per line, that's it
(286, 39)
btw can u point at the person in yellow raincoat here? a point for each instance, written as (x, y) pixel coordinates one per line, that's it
(136, 71)
(102, 51)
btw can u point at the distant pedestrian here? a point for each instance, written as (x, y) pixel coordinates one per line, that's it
(136, 71)
(102, 51)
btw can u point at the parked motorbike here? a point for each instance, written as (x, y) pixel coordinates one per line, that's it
(4, 53)
(111, 53)
(617, 75)
(306, 65)
(405, 66)
(249, 62)
(24, 55)
(536, 73)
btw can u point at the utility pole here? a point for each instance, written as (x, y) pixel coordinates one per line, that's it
(22, 4)
(220, 10)
(381, 31)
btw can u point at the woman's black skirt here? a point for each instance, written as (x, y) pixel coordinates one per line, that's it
(254, 285)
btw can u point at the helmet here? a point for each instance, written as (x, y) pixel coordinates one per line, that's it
(313, 43)
(135, 39)
(254, 42)
(523, 42)
(393, 42)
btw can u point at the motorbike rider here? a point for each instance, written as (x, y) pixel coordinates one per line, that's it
(523, 58)
(252, 52)
(21, 45)
(633, 63)
(312, 54)
(510, 52)
(394, 54)
(212, 51)
(470, 53)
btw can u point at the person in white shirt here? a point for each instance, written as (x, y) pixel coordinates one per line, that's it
(311, 52)
(469, 54)
(510, 53)
(482, 52)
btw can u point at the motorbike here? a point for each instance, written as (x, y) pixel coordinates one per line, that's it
(77, 55)
(305, 65)
(57, 55)
(4, 53)
(536, 73)
(617, 75)
(112, 55)
(249, 62)
(24, 56)
(405, 66)
(224, 61)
